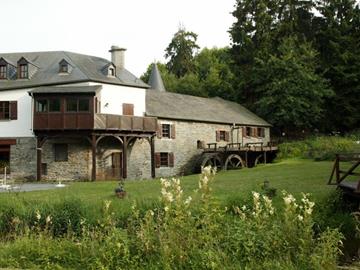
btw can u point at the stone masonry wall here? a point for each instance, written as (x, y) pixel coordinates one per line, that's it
(78, 166)
(23, 159)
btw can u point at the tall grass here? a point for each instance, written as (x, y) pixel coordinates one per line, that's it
(181, 232)
(318, 148)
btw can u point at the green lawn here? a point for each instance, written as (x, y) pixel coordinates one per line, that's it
(294, 176)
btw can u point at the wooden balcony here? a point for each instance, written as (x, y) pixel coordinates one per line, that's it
(89, 121)
(125, 123)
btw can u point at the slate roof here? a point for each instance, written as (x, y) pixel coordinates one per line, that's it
(155, 80)
(85, 68)
(66, 89)
(185, 107)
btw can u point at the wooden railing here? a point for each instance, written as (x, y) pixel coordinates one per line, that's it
(125, 122)
(340, 174)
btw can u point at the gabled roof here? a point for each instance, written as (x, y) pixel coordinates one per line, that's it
(86, 68)
(155, 80)
(169, 105)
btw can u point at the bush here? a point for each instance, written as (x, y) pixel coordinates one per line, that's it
(318, 148)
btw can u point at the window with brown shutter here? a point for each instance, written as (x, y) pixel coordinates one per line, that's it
(164, 159)
(3, 72)
(227, 136)
(128, 109)
(261, 132)
(165, 130)
(159, 131)
(248, 132)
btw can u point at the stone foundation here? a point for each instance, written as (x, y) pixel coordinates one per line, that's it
(23, 159)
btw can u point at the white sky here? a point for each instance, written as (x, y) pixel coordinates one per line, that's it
(144, 27)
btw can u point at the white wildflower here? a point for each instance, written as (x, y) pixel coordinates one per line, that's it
(166, 208)
(301, 218)
(38, 216)
(151, 212)
(188, 200)
(107, 204)
(256, 195)
(243, 208)
(48, 219)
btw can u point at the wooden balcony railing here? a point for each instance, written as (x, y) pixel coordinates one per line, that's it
(125, 122)
(88, 121)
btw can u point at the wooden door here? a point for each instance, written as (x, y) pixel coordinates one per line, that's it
(116, 162)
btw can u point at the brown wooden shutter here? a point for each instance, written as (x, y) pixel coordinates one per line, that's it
(227, 136)
(243, 131)
(157, 160)
(172, 132)
(96, 105)
(13, 110)
(218, 135)
(171, 159)
(159, 131)
(128, 109)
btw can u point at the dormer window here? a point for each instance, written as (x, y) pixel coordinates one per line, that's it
(3, 72)
(111, 71)
(23, 71)
(64, 67)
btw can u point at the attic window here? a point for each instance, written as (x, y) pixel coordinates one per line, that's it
(3, 72)
(23, 71)
(111, 71)
(64, 68)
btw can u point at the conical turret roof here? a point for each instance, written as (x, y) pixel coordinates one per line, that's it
(155, 80)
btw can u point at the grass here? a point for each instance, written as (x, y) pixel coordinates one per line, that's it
(293, 175)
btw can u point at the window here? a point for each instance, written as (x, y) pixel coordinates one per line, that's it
(111, 71)
(64, 68)
(41, 105)
(77, 105)
(54, 105)
(248, 131)
(23, 71)
(3, 72)
(165, 130)
(61, 152)
(222, 135)
(4, 110)
(164, 159)
(261, 132)
(84, 105)
(71, 105)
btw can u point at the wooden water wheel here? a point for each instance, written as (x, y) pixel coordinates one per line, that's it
(233, 161)
(214, 160)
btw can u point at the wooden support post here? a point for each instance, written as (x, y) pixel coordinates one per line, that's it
(152, 146)
(124, 163)
(265, 157)
(246, 159)
(93, 148)
(39, 143)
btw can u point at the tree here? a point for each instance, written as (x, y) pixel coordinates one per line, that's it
(181, 52)
(292, 95)
(338, 39)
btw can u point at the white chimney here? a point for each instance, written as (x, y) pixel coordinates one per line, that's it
(118, 56)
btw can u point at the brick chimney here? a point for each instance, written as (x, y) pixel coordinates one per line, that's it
(118, 57)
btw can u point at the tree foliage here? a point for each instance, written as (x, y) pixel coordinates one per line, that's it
(181, 52)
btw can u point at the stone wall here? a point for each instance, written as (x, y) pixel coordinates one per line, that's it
(78, 165)
(23, 159)
(184, 147)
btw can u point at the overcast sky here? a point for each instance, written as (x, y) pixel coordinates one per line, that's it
(144, 27)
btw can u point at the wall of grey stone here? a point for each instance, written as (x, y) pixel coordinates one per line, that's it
(78, 165)
(184, 146)
(23, 159)
(139, 160)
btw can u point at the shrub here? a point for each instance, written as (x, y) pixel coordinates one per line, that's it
(318, 148)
